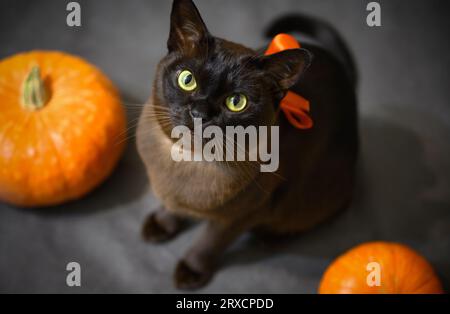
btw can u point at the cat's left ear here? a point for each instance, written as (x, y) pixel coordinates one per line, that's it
(287, 66)
(187, 30)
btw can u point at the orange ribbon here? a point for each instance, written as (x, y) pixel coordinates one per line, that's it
(294, 106)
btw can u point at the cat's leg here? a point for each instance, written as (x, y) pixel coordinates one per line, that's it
(196, 268)
(162, 225)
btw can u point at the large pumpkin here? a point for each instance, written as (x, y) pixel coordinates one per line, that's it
(401, 270)
(61, 128)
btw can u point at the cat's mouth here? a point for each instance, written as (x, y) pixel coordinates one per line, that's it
(183, 123)
(190, 122)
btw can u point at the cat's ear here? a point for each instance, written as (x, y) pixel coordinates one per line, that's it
(187, 30)
(287, 66)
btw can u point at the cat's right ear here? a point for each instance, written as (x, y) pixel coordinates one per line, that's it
(187, 30)
(287, 66)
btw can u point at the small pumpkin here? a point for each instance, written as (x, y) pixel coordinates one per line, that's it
(401, 270)
(61, 128)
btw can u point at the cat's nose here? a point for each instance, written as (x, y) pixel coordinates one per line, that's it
(200, 110)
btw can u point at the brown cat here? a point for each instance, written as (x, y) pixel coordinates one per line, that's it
(195, 79)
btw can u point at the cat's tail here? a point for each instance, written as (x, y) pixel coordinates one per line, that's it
(318, 30)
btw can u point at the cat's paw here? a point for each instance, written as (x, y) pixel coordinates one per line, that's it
(187, 278)
(154, 231)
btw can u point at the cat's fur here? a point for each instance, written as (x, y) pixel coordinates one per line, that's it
(316, 173)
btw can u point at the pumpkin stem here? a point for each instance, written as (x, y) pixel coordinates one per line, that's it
(34, 94)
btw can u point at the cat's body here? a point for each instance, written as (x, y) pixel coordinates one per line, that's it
(313, 181)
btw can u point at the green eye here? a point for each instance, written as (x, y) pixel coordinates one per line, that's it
(186, 81)
(236, 102)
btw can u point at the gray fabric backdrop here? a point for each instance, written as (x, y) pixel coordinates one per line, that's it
(404, 184)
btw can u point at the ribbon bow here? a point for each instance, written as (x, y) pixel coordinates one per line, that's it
(294, 106)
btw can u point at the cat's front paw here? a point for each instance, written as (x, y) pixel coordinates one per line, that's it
(187, 278)
(154, 231)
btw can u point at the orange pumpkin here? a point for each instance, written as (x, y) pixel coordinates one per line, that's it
(401, 270)
(61, 123)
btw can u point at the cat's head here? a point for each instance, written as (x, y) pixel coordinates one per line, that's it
(223, 83)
